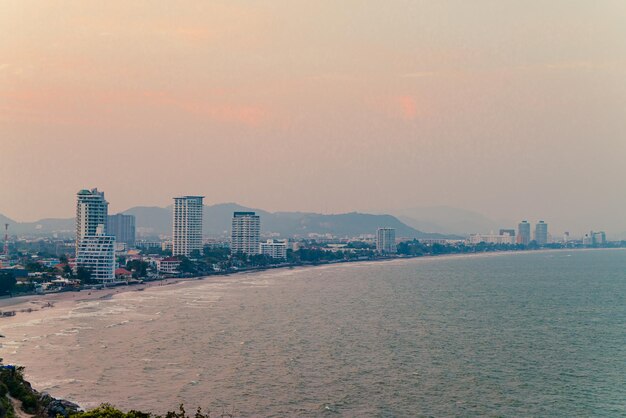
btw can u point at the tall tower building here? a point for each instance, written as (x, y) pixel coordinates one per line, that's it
(541, 233)
(187, 225)
(523, 233)
(386, 240)
(91, 212)
(245, 233)
(95, 250)
(122, 227)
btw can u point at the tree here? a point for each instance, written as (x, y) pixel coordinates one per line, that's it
(186, 265)
(84, 275)
(7, 282)
(138, 267)
(67, 271)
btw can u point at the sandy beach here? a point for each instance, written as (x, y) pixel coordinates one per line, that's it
(30, 304)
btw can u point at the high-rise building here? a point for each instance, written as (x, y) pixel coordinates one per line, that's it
(187, 225)
(523, 233)
(91, 212)
(122, 227)
(245, 233)
(96, 253)
(541, 233)
(274, 248)
(598, 238)
(386, 240)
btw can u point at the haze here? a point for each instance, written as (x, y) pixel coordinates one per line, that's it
(516, 109)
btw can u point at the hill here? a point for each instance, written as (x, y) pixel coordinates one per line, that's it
(449, 220)
(217, 220)
(155, 221)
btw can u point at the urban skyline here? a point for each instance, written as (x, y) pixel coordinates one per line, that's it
(354, 208)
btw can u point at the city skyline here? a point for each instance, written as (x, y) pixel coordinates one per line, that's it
(503, 224)
(328, 107)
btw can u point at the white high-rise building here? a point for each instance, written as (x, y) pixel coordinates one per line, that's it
(96, 253)
(274, 248)
(245, 233)
(187, 225)
(386, 240)
(91, 212)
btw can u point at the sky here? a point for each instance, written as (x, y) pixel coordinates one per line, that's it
(515, 109)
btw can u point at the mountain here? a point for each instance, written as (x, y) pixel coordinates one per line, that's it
(41, 227)
(217, 220)
(450, 220)
(155, 221)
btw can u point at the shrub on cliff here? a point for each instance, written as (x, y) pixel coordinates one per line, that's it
(108, 411)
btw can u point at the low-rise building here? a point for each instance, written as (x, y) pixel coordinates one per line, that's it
(274, 248)
(168, 265)
(491, 239)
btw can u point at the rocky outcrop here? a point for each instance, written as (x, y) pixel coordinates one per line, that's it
(53, 407)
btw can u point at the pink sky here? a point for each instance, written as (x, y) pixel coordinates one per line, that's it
(516, 109)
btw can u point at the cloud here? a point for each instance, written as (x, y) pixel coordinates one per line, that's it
(407, 107)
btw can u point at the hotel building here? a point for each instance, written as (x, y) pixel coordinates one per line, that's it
(386, 240)
(187, 225)
(245, 233)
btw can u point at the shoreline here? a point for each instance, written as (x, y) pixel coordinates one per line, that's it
(33, 303)
(67, 301)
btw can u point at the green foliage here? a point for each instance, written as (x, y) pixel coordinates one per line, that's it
(316, 255)
(7, 282)
(108, 411)
(84, 275)
(186, 265)
(16, 386)
(67, 271)
(215, 255)
(138, 268)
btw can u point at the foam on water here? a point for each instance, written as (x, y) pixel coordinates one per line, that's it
(522, 334)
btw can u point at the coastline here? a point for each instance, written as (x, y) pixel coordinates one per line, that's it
(30, 304)
(61, 377)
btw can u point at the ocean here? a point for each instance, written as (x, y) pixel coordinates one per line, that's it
(524, 334)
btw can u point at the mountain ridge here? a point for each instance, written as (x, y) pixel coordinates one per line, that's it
(155, 221)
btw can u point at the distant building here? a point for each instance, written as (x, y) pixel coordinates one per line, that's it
(187, 225)
(274, 249)
(491, 239)
(96, 253)
(245, 233)
(541, 233)
(91, 212)
(523, 233)
(122, 227)
(510, 232)
(386, 240)
(147, 245)
(597, 238)
(123, 274)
